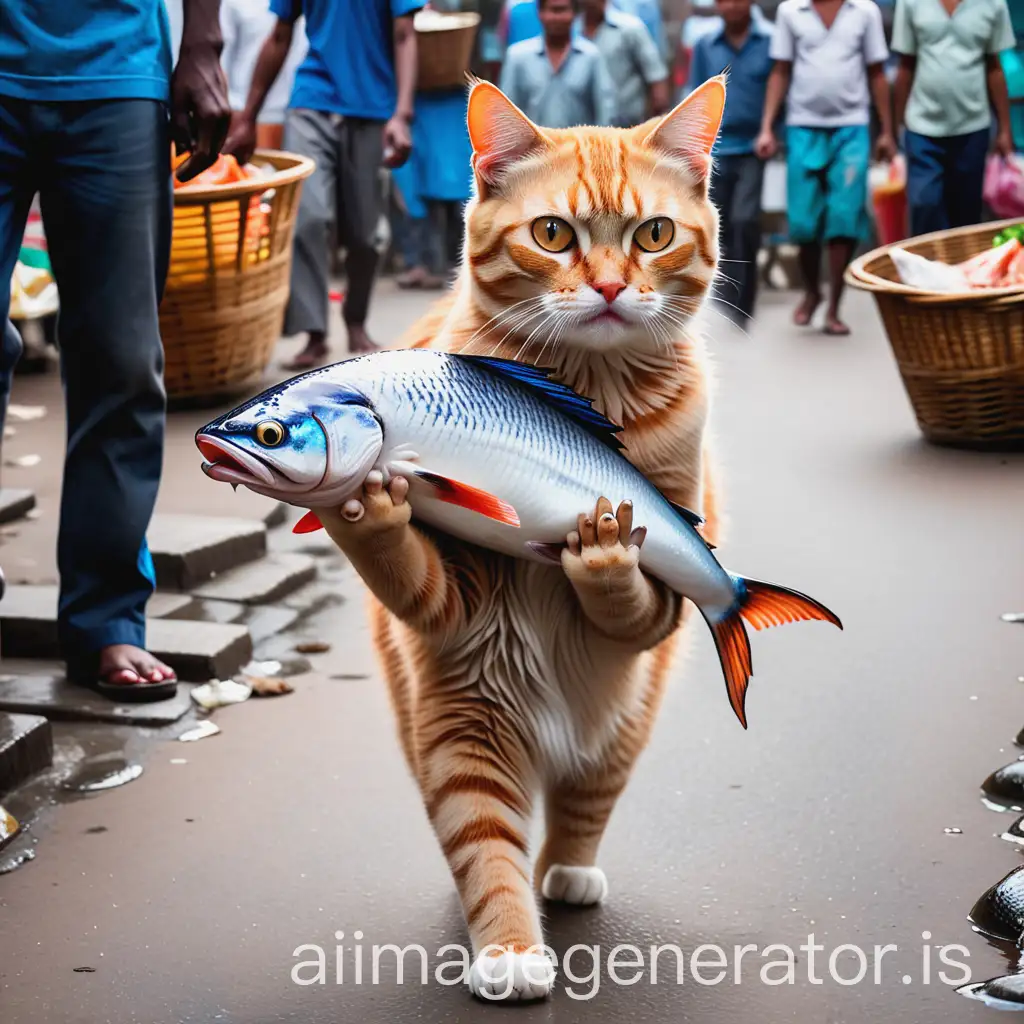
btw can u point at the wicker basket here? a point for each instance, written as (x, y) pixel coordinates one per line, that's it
(961, 356)
(227, 285)
(444, 48)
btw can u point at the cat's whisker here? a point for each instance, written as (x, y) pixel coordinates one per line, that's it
(507, 312)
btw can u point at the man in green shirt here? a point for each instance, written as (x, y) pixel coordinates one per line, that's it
(949, 80)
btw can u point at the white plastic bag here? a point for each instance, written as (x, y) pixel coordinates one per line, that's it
(929, 275)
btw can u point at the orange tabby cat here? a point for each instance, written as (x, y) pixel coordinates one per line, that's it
(588, 250)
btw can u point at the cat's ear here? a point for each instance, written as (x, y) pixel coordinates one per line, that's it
(689, 131)
(500, 133)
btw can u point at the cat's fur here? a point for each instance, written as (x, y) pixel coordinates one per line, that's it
(510, 679)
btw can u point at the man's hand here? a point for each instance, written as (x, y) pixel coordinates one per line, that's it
(885, 148)
(200, 113)
(1004, 143)
(397, 142)
(766, 145)
(241, 140)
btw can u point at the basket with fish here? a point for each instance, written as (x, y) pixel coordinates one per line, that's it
(227, 284)
(952, 303)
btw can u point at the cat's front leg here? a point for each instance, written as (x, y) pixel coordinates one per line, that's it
(477, 779)
(602, 561)
(396, 561)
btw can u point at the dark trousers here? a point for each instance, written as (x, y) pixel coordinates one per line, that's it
(944, 180)
(102, 170)
(344, 189)
(736, 191)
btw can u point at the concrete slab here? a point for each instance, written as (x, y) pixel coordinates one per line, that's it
(16, 502)
(261, 582)
(198, 651)
(262, 620)
(26, 747)
(276, 515)
(189, 549)
(53, 697)
(28, 618)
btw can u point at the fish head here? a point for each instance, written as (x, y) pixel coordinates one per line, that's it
(310, 442)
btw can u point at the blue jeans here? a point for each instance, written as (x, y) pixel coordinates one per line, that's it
(945, 179)
(102, 170)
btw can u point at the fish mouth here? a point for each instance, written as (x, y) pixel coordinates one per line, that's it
(228, 463)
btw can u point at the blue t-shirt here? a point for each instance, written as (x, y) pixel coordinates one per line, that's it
(56, 50)
(748, 69)
(349, 68)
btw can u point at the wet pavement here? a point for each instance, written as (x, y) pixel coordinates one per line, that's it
(851, 809)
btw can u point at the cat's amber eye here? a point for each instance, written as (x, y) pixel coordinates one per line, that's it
(269, 433)
(553, 234)
(655, 234)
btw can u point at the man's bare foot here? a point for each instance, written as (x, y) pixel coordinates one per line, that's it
(805, 311)
(125, 665)
(359, 342)
(834, 326)
(314, 354)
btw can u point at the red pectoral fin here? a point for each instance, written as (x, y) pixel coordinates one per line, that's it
(309, 523)
(472, 498)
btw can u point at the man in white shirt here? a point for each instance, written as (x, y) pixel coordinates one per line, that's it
(829, 57)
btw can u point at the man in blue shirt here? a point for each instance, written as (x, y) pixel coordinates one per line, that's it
(351, 111)
(559, 80)
(740, 45)
(85, 92)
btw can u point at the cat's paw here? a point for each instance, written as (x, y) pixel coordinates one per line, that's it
(512, 977)
(378, 509)
(604, 544)
(580, 886)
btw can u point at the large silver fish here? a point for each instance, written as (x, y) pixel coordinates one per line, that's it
(497, 454)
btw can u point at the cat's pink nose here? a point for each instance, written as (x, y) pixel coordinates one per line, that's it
(611, 290)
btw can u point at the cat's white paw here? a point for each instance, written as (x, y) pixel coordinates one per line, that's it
(580, 886)
(512, 977)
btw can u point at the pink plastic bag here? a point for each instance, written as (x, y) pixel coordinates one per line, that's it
(1004, 186)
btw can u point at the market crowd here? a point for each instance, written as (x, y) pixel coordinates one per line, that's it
(92, 92)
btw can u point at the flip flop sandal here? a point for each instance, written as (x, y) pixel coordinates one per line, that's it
(129, 693)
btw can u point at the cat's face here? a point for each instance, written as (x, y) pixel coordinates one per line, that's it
(594, 237)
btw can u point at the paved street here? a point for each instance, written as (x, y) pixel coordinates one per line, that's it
(827, 816)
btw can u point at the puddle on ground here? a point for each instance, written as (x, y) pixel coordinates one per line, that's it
(83, 752)
(96, 774)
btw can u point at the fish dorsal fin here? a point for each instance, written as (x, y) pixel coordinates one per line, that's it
(539, 381)
(693, 519)
(683, 512)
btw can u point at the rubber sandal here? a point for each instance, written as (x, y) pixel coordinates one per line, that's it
(129, 693)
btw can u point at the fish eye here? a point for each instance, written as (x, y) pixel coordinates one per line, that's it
(553, 234)
(655, 234)
(269, 433)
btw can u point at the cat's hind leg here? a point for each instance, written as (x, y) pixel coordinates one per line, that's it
(577, 808)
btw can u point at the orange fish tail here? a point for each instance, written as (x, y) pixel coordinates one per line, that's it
(762, 605)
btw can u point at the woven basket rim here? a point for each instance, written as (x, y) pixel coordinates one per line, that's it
(858, 276)
(289, 168)
(459, 22)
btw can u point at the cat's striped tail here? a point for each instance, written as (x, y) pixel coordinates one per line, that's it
(762, 605)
